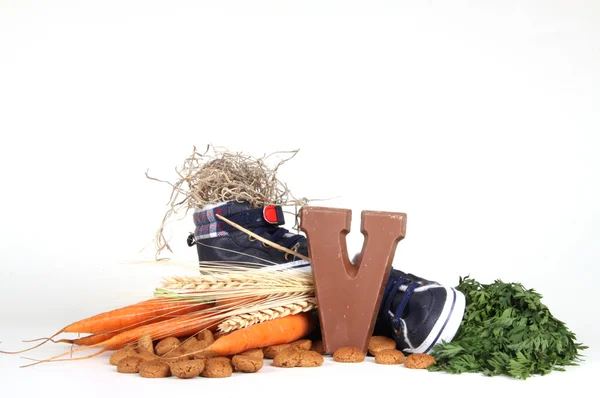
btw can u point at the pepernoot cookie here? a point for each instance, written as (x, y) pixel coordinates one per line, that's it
(318, 346)
(288, 358)
(193, 347)
(166, 345)
(187, 369)
(120, 354)
(247, 364)
(207, 336)
(254, 353)
(154, 369)
(188, 343)
(419, 361)
(273, 350)
(217, 367)
(145, 344)
(379, 343)
(303, 344)
(146, 356)
(129, 365)
(310, 359)
(348, 354)
(176, 355)
(197, 351)
(389, 357)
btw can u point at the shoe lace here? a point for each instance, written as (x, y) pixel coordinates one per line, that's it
(391, 288)
(276, 234)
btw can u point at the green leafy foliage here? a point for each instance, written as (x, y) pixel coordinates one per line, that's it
(506, 330)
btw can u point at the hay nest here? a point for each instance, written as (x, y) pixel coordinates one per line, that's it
(218, 175)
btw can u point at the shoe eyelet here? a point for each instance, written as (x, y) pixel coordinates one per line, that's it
(251, 239)
(265, 245)
(286, 256)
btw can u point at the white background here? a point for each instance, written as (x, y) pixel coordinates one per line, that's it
(480, 120)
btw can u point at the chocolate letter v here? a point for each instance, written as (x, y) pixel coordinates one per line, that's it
(348, 296)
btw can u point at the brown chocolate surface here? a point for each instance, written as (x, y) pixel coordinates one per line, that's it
(349, 295)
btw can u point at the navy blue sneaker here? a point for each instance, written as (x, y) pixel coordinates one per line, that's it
(217, 241)
(418, 313)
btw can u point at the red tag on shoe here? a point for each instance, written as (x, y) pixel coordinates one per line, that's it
(270, 214)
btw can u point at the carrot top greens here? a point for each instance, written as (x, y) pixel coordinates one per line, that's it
(506, 330)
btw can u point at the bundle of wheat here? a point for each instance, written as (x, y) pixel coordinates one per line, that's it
(248, 296)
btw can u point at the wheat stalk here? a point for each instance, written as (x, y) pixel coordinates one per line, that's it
(221, 278)
(267, 314)
(232, 281)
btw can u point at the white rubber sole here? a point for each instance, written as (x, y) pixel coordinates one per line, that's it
(447, 325)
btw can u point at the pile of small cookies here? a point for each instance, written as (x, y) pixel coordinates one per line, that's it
(177, 357)
(172, 356)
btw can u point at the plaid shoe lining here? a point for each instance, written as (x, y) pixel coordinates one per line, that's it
(207, 224)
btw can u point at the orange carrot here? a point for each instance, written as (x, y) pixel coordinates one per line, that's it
(134, 315)
(177, 327)
(89, 340)
(125, 318)
(277, 331)
(181, 326)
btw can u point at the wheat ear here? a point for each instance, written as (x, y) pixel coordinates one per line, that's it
(254, 317)
(233, 281)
